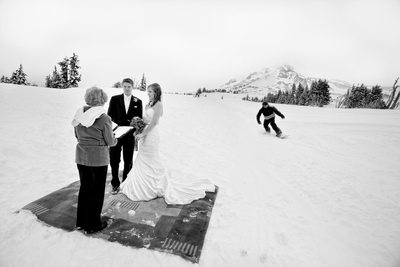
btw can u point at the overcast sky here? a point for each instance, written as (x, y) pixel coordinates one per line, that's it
(184, 45)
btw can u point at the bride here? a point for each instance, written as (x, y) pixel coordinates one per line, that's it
(148, 178)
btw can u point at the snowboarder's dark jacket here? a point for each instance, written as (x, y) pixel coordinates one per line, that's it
(269, 113)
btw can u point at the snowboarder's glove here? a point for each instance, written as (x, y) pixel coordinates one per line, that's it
(259, 122)
(283, 116)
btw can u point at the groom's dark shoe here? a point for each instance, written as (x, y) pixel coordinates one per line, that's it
(115, 190)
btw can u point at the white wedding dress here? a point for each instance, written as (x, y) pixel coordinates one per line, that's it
(149, 179)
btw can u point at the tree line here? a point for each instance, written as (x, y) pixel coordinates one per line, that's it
(317, 94)
(362, 97)
(17, 77)
(68, 75)
(359, 96)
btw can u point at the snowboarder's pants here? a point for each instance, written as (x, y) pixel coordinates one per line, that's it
(91, 196)
(273, 125)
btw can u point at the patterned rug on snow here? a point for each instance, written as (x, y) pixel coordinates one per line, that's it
(176, 229)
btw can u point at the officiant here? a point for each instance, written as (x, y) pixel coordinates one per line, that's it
(94, 133)
(122, 109)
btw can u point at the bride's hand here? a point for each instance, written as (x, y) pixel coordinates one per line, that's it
(139, 136)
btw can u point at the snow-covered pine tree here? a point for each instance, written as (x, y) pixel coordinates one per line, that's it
(358, 96)
(279, 97)
(298, 94)
(143, 84)
(375, 98)
(13, 78)
(74, 76)
(19, 76)
(323, 92)
(55, 79)
(117, 85)
(292, 96)
(314, 94)
(286, 97)
(48, 81)
(305, 97)
(64, 81)
(271, 98)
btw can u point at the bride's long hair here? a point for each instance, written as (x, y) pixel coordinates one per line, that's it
(157, 93)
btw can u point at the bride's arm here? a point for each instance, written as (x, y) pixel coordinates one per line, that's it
(158, 111)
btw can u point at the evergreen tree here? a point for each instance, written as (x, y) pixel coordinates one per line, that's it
(74, 76)
(143, 83)
(376, 93)
(305, 97)
(198, 92)
(64, 81)
(298, 94)
(19, 76)
(324, 93)
(117, 85)
(362, 97)
(279, 97)
(48, 81)
(55, 79)
(358, 96)
(319, 93)
(3, 79)
(313, 94)
(375, 98)
(271, 98)
(13, 78)
(286, 98)
(292, 97)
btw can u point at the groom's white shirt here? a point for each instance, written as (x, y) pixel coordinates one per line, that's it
(127, 101)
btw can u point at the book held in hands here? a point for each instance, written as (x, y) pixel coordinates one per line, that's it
(120, 131)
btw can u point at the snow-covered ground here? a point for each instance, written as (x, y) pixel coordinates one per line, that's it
(329, 195)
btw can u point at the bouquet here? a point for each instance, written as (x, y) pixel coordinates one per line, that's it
(138, 124)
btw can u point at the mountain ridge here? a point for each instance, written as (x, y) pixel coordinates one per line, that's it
(271, 80)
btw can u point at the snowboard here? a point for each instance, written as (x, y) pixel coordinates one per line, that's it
(282, 136)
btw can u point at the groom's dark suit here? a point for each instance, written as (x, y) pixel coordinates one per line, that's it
(116, 111)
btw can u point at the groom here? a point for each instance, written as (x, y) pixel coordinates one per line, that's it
(122, 109)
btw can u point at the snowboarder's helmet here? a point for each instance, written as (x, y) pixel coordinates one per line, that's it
(265, 103)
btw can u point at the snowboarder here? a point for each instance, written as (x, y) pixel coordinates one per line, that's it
(269, 118)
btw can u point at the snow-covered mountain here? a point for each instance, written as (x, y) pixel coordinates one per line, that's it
(281, 78)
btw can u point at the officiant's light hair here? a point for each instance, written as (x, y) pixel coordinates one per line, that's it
(95, 96)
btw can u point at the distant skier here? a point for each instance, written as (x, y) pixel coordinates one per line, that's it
(269, 117)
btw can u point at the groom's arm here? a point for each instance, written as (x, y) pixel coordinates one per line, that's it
(113, 112)
(111, 109)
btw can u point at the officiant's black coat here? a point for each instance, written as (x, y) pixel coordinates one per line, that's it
(116, 111)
